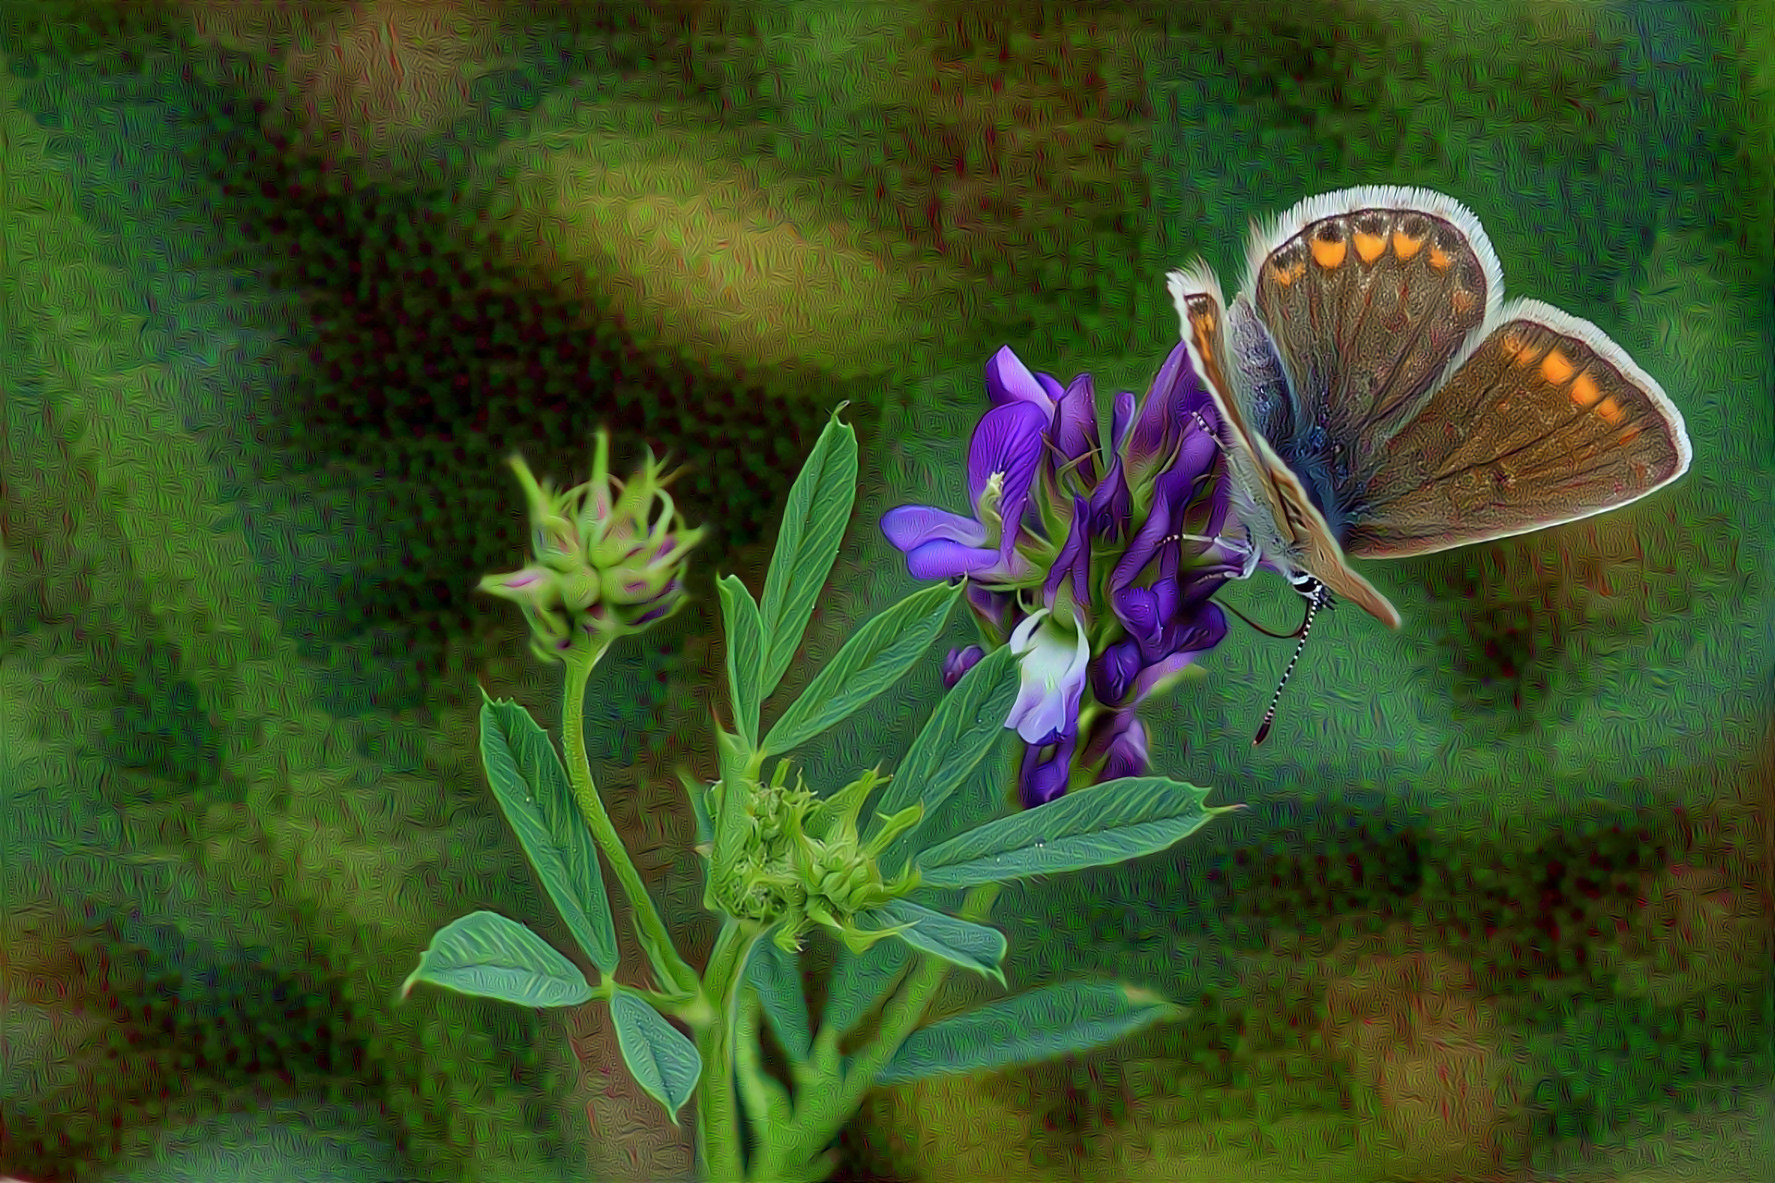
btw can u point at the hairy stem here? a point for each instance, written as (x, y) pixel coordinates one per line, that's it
(718, 1134)
(675, 973)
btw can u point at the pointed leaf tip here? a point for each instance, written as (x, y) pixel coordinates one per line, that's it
(665, 1064)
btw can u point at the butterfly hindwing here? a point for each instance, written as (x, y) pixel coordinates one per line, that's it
(1544, 422)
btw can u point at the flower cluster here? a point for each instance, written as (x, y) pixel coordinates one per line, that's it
(1098, 566)
(609, 556)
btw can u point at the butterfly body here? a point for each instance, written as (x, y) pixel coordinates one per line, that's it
(1380, 399)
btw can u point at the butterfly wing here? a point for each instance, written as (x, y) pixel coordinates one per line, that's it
(1544, 422)
(1279, 516)
(1196, 294)
(1369, 295)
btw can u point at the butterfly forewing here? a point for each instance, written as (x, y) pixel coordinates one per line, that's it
(1259, 381)
(1270, 502)
(1369, 295)
(1547, 421)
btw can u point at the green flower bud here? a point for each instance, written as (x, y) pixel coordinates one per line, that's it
(610, 556)
(802, 863)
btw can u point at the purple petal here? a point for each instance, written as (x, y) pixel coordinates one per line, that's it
(1075, 427)
(1153, 420)
(1008, 381)
(1178, 394)
(1114, 672)
(943, 559)
(1043, 778)
(909, 527)
(958, 663)
(1195, 456)
(1150, 538)
(1127, 751)
(1074, 560)
(1204, 633)
(1054, 669)
(1121, 418)
(991, 608)
(1111, 504)
(1008, 440)
(1050, 385)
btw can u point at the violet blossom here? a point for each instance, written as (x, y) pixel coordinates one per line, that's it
(1104, 584)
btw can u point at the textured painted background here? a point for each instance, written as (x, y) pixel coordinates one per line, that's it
(281, 284)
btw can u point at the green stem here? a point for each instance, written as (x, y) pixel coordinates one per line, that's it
(765, 1099)
(823, 1108)
(675, 972)
(718, 1134)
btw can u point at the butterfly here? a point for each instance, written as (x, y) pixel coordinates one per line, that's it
(1379, 399)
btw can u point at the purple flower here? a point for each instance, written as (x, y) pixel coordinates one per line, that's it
(1074, 429)
(958, 663)
(1071, 412)
(1118, 744)
(1127, 751)
(1073, 564)
(1045, 772)
(1126, 555)
(1009, 381)
(1054, 664)
(1170, 411)
(1002, 459)
(1111, 504)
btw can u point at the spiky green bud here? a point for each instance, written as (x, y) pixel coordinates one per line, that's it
(802, 862)
(610, 556)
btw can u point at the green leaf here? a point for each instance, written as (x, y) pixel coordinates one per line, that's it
(664, 1061)
(1044, 1023)
(485, 954)
(819, 508)
(532, 788)
(859, 981)
(870, 662)
(699, 808)
(776, 977)
(1093, 827)
(960, 942)
(745, 652)
(968, 721)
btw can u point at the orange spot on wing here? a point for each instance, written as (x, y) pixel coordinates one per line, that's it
(1556, 368)
(1329, 254)
(1439, 259)
(1405, 246)
(1283, 275)
(1369, 246)
(1584, 391)
(1611, 411)
(1628, 436)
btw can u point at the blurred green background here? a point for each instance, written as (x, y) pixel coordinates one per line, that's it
(283, 283)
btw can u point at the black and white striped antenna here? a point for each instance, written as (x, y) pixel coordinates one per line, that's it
(1318, 595)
